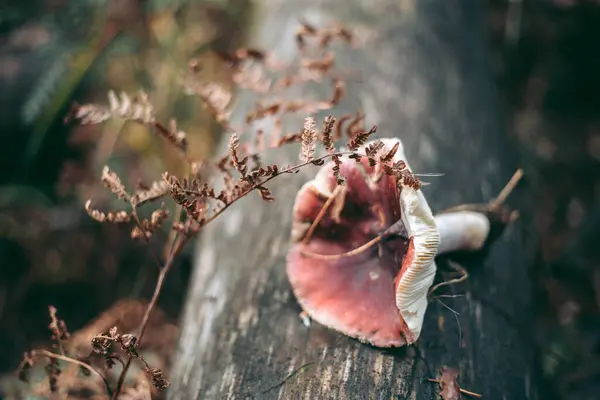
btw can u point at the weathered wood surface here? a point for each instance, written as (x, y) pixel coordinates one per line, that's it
(425, 78)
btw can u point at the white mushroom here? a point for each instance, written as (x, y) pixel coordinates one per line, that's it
(380, 293)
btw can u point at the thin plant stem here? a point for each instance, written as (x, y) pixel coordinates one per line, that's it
(176, 217)
(180, 244)
(506, 190)
(46, 353)
(464, 275)
(351, 253)
(139, 224)
(322, 213)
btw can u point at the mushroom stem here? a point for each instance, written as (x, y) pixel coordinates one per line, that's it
(467, 227)
(462, 231)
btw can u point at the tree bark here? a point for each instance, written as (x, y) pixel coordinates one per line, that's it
(424, 77)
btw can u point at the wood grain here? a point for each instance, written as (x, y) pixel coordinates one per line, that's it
(424, 77)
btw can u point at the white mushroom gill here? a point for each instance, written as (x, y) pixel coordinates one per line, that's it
(411, 291)
(444, 233)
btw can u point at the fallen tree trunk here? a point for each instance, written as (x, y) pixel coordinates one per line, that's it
(424, 77)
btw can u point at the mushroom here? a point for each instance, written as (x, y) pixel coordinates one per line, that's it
(362, 255)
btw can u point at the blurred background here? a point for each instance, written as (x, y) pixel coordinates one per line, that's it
(546, 55)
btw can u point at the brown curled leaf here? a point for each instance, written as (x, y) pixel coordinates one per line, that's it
(118, 217)
(361, 138)
(328, 124)
(157, 190)
(112, 181)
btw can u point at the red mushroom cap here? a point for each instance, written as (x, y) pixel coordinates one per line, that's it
(354, 295)
(377, 295)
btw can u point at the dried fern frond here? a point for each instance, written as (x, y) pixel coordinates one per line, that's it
(361, 138)
(215, 98)
(138, 233)
(373, 148)
(158, 190)
(158, 378)
(158, 216)
(261, 111)
(122, 106)
(335, 31)
(289, 138)
(355, 126)
(252, 78)
(320, 65)
(176, 137)
(328, 124)
(148, 227)
(57, 326)
(89, 114)
(251, 54)
(202, 202)
(240, 165)
(128, 108)
(309, 107)
(196, 208)
(117, 217)
(262, 172)
(390, 154)
(265, 193)
(323, 36)
(339, 126)
(112, 181)
(188, 228)
(406, 178)
(339, 90)
(305, 30)
(337, 161)
(309, 138)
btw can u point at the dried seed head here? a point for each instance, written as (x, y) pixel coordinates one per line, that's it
(101, 345)
(309, 139)
(158, 378)
(128, 343)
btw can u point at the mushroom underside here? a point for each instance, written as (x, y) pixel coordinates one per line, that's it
(354, 295)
